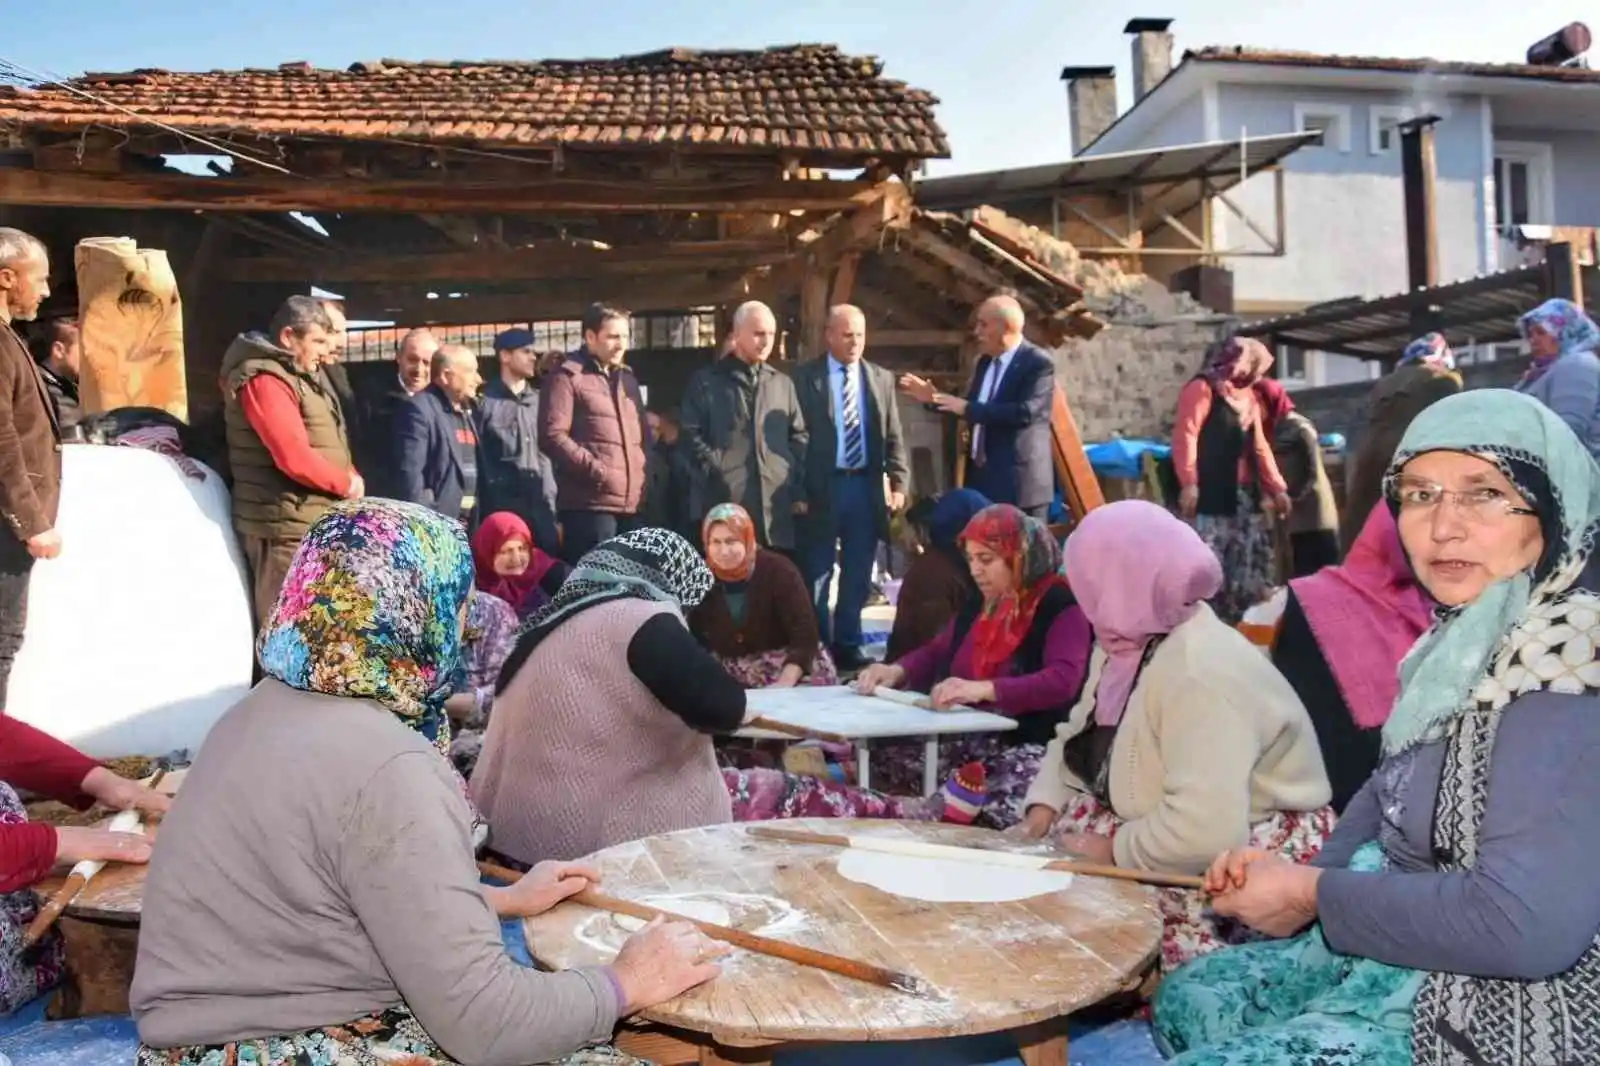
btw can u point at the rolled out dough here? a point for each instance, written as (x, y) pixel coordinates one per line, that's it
(700, 910)
(947, 880)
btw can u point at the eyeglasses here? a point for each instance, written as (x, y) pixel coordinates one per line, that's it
(1482, 505)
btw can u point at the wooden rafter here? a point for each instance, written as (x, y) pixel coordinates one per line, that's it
(556, 260)
(549, 301)
(263, 193)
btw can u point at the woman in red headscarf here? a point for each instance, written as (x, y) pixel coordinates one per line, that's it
(1019, 648)
(511, 567)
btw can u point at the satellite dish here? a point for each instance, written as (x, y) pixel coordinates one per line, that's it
(1561, 47)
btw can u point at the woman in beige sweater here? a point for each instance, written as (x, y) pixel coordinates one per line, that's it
(1186, 738)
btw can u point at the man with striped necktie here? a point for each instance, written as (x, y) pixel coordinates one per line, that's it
(856, 447)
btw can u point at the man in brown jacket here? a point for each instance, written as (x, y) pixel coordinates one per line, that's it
(30, 444)
(592, 426)
(287, 442)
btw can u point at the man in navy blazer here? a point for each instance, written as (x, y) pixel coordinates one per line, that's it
(1008, 405)
(437, 439)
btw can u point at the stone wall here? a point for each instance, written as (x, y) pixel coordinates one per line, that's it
(1125, 381)
(1343, 408)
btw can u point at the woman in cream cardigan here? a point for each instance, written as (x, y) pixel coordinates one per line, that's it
(1186, 740)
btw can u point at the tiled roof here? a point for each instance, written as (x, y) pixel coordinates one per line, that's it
(1281, 58)
(802, 98)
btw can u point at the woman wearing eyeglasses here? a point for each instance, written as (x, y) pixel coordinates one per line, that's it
(1452, 916)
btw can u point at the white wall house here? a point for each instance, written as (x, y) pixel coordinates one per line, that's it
(1516, 145)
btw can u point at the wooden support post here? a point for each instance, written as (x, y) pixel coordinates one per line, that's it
(1072, 462)
(844, 282)
(813, 313)
(1563, 273)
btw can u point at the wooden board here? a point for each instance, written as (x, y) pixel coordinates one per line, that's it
(1001, 966)
(116, 893)
(840, 709)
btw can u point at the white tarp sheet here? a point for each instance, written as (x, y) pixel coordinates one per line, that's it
(139, 634)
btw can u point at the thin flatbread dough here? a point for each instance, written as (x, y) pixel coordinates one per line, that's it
(700, 910)
(947, 880)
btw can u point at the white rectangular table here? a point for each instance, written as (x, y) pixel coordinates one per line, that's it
(840, 709)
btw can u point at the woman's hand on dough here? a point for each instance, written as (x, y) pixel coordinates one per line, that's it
(789, 677)
(1035, 823)
(1279, 898)
(122, 794)
(74, 844)
(543, 887)
(664, 960)
(1091, 846)
(886, 674)
(955, 691)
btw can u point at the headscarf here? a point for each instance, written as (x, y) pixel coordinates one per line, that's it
(1139, 572)
(737, 519)
(1276, 404)
(1235, 354)
(1505, 642)
(1029, 549)
(372, 609)
(1365, 615)
(950, 516)
(1564, 320)
(498, 530)
(644, 564)
(1430, 349)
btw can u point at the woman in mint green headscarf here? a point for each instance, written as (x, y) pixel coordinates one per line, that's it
(1453, 915)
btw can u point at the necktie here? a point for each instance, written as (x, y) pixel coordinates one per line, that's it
(855, 448)
(986, 387)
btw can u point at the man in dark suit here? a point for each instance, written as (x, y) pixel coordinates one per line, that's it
(374, 449)
(856, 443)
(1008, 404)
(30, 457)
(437, 437)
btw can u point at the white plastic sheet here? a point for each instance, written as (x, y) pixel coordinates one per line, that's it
(139, 634)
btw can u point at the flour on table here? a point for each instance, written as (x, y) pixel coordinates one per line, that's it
(701, 910)
(947, 880)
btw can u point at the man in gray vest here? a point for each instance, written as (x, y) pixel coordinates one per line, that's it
(287, 443)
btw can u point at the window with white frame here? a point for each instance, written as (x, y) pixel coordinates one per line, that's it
(1383, 128)
(1331, 120)
(1292, 362)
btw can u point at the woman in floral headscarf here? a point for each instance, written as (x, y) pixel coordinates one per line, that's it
(313, 895)
(1452, 916)
(758, 617)
(1565, 375)
(1019, 648)
(1186, 740)
(1226, 470)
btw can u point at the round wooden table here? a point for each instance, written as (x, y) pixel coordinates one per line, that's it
(1021, 966)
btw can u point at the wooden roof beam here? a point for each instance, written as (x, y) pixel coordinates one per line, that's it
(563, 260)
(272, 193)
(556, 301)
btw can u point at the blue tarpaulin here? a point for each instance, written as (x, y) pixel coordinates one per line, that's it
(1124, 457)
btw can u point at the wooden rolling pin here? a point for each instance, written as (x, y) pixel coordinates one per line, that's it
(922, 849)
(78, 880)
(803, 732)
(778, 949)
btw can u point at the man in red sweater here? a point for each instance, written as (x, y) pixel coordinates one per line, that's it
(287, 442)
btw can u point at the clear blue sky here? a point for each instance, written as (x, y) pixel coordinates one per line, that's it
(994, 64)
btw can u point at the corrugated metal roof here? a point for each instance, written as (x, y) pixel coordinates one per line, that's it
(1223, 163)
(1481, 310)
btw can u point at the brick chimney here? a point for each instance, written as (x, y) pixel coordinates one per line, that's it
(1092, 97)
(1152, 53)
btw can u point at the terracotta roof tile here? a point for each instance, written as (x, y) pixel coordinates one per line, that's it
(792, 96)
(1284, 58)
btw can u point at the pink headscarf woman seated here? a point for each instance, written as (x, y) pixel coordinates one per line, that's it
(511, 567)
(1343, 633)
(1185, 735)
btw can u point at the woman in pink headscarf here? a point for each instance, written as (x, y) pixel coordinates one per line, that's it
(1186, 737)
(1343, 633)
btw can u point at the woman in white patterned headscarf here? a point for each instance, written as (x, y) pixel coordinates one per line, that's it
(1455, 914)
